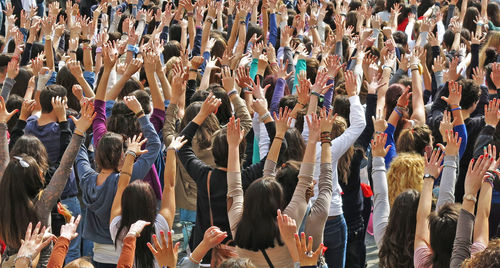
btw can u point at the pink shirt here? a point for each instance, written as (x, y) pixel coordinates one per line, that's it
(423, 255)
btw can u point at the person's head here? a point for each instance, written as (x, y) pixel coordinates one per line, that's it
(493, 11)
(424, 6)
(469, 18)
(296, 146)
(287, 176)
(470, 94)
(130, 86)
(236, 263)
(171, 49)
(21, 183)
(442, 227)
(80, 263)
(123, 121)
(109, 152)
(139, 203)
(22, 80)
(391, 98)
(344, 163)
(492, 41)
(448, 38)
(415, 140)
(224, 112)
(205, 132)
(396, 249)
(258, 228)
(406, 172)
(13, 102)
(490, 257)
(32, 146)
(341, 106)
(220, 148)
(67, 80)
(144, 99)
(48, 93)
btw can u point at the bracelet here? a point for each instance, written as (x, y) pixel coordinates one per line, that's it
(24, 257)
(325, 141)
(125, 173)
(193, 70)
(279, 138)
(456, 109)
(72, 51)
(130, 152)
(209, 20)
(190, 14)
(232, 92)
(80, 133)
(316, 94)
(131, 233)
(133, 48)
(379, 132)
(98, 50)
(171, 148)
(415, 69)
(193, 260)
(243, 22)
(489, 180)
(387, 66)
(398, 112)
(303, 105)
(265, 116)
(139, 114)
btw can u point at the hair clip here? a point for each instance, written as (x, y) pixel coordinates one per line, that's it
(23, 163)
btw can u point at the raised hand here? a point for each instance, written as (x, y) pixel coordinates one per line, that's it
(433, 165)
(133, 104)
(27, 109)
(86, 118)
(455, 94)
(378, 145)
(75, 68)
(495, 74)
(227, 79)
(478, 75)
(234, 132)
(59, 106)
(210, 105)
(404, 99)
(439, 64)
(212, 237)
(379, 123)
(165, 255)
(327, 120)
(33, 243)
(320, 85)
(109, 56)
(281, 71)
(492, 113)
(283, 122)
(491, 151)
(137, 227)
(476, 173)
(452, 143)
(68, 230)
(135, 144)
(306, 255)
(350, 83)
(445, 125)
(177, 143)
(4, 114)
(314, 126)
(133, 67)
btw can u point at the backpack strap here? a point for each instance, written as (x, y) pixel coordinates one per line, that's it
(269, 262)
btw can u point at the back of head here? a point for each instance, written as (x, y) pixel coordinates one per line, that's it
(397, 244)
(225, 111)
(130, 86)
(287, 176)
(13, 102)
(470, 93)
(341, 106)
(109, 152)
(236, 263)
(258, 228)
(220, 148)
(48, 93)
(391, 97)
(144, 99)
(490, 257)
(493, 11)
(67, 80)
(123, 120)
(442, 226)
(80, 263)
(414, 140)
(139, 203)
(296, 146)
(22, 80)
(32, 146)
(204, 133)
(20, 184)
(406, 172)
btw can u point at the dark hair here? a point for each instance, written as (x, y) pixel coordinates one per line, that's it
(400, 37)
(67, 80)
(258, 228)
(414, 140)
(13, 102)
(205, 132)
(139, 203)
(225, 111)
(442, 227)
(448, 38)
(341, 106)
(32, 146)
(144, 99)
(171, 49)
(22, 79)
(175, 31)
(295, 146)
(17, 206)
(424, 6)
(123, 120)
(251, 30)
(48, 93)
(220, 148)
(109, 151)
(493, 12)
(470, 93)
(312, 66)
(469, 18)
(130, 86)
(288, 100)
(396, 249)
(287, 176)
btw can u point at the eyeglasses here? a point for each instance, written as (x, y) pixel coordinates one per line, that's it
(23, 163)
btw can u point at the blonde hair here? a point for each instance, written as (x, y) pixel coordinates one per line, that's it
(80, 263)
(406, 172)
(492, 42)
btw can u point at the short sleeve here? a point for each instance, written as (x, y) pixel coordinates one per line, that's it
(421, 257)
(477, 247)
(161, 224)
(113, 227)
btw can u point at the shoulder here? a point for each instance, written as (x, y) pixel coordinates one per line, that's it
(161, 224)
(422, 256)
(113, 226)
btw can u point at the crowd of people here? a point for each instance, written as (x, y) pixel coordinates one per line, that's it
(275, 133)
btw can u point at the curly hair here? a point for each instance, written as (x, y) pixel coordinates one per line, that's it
(490, 257)
(406, 172)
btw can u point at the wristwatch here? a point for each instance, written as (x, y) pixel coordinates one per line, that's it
(429, 176)
(470, 197)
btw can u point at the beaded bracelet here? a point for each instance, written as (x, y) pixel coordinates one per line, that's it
(130, 152)
(139, 114)
(456, 109)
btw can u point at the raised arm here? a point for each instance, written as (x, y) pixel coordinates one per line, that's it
(418, 113)
(133, 150)
(449, 177)
(432, 170)
(4, 143)
(134, 66)
(168, 198)
(150, 63)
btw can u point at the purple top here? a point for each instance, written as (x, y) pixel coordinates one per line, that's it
(279, 91)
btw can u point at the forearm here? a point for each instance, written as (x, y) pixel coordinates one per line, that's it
(127, 255)
(381, 208)
(463, 238)
(117, 88)
(59, 253)
(448, 180)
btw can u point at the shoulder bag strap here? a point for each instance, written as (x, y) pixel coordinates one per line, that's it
(209, 203)
(267, 258)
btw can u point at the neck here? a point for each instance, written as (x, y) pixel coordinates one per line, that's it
(466, 114)
(46, 118)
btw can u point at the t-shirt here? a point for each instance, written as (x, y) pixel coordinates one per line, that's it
(423, 255)
(159, 225)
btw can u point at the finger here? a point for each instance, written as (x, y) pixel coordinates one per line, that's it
(153, 250)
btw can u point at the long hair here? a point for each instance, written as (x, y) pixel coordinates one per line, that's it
(406, 172)
(109, 151)
(287, 176)
(344, 162)
(493, 41)
(258, 228)
(139, 203)
(205, 132)
(21, 184)
(123, 120)
(32, 146)
(397, 244)
(442, 226)
(414, 140)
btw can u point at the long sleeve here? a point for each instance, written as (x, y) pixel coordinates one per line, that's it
(99, 124)
(390, 141)
(483, 139)
(169, 126)
(273, 29)
(288, 58)
(463, 238)
(197, 42)
(319, 211)
(17, 132)
(448, 180)
(8, 84)
(65, 138)
(301, 66)
(53, 191)
(235, 191)
(157, 119)
(153, 145)
(241, 112)
(59, 253)
(269, 169)
(279, 91)
(327, 100)
(462, 133)
(194, 166)
(26, 55)
(371, 108)
(190, 90)
(128, 253)
(253, 68)
(298, 205)
(381, 207)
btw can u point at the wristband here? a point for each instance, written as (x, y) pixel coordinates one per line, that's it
(379, 132)
(387, 66)
(133, 48)
(265, 116)
(398, 112)
(193, 260)
(489, 180)
(470, 197)
(125, 173)
(72, 51)
(190, 14)
(303, 105)
(316, 94)
(232, 92)
(279, 138)
(139, 114)
(456, 109)
(131, 153)
(243, 22)
(98, 50)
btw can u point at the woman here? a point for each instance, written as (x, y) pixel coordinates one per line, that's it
(99, 188)
(253, 216)
(137, 202)
(32, 202)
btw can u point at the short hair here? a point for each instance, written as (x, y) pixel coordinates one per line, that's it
(470, 93)
(48, 93)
